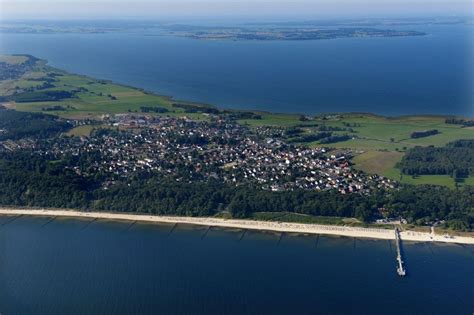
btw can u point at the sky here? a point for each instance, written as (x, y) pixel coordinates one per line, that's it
(113, 9)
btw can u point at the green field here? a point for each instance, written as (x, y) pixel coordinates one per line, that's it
(371, 132)
(81, 130)
(13, 59)
(94, 98)
(392, 134)
(379, 162)
(383, 163)
(442, 180)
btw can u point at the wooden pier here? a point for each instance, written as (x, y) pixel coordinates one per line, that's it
(400, 268)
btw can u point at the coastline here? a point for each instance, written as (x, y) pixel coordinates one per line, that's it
(357, 232)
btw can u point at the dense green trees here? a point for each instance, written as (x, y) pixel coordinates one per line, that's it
(16, 125)
(153, 109)
(190, 108)
(29, 180)
(310, 137)
(335, 138)
(421, 134)
(41, 96)
(236, 115)
(458, 121)
(428, 202)
(455, 158)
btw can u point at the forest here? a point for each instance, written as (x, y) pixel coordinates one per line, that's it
(16, 125)
(455, 159)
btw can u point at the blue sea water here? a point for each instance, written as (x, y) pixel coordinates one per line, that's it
(75, 266)
(430, 74)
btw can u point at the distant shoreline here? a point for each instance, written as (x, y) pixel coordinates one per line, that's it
(357, 232)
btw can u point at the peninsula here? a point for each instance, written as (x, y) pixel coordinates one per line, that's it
(295, 33)
(70, 141)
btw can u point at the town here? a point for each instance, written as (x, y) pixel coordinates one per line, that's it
(190, 150)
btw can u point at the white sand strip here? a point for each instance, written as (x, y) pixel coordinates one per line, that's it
(357, 232)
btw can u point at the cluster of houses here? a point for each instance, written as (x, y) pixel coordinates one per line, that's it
(198, 150)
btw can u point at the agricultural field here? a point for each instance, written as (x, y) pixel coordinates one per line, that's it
(90, 98)
(94, 98)
(80, 131)
(371, 132)
(379, 162)
(384, 163)
(442, 180)
(12, 59)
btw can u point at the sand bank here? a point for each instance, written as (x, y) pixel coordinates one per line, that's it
(357, 232)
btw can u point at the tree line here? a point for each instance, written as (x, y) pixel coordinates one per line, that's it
(422, 134)
(459, 121)
(16, 125)
(456, 159)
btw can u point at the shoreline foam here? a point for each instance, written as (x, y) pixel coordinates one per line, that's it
(302, 228)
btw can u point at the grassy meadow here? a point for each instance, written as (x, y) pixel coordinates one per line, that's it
(13, 59)
(91, 99)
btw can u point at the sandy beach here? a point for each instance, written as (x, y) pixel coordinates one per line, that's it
(357, 232)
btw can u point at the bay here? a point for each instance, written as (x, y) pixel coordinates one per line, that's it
(430, 74)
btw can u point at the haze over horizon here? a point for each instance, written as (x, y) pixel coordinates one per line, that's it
(114, 9)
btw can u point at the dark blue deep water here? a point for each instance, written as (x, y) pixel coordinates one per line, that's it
(72, 266)
(406, 75)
